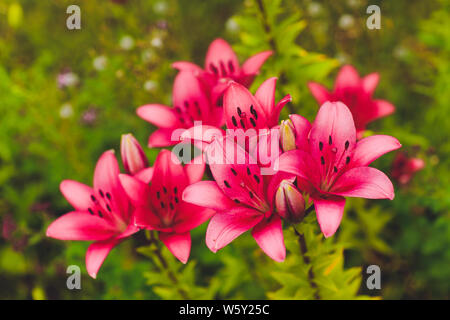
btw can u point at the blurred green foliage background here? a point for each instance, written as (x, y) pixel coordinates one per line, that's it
(56, 129)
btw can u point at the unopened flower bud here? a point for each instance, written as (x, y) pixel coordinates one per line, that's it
(287, 135)
(289, 202)
(133, 156)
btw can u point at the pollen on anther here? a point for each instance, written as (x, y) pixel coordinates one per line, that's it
(91, 211)
(347, 160)
(233, 119)
(347, 144)
(242, 124)
(330, 140)
(320, 146)
(93, 198)
(214, 69)
(226, 184)
(253, 122)
(322, 160)
(108, 207)
(253, 112)
(158, 195)
(237, 201)
(165, 189)
(108, 195)
(162, 205)
(234, 171)
(335, 169)
(171, 205)
(250, 194)
(101, 193)
(239, 112)
(230, 66)
(248, 171)
(256, 178)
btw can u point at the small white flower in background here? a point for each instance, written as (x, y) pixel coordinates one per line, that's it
(354, 3)
(150, 85)
(147, 55)
(67, 79)
(66, 111)
(342, 58)
(119, 73)
(314, 9)
(400, 52)
(127, 43)
(156, 42)
(346, 21)
(160, 7)
(100, 63)
(232, 25)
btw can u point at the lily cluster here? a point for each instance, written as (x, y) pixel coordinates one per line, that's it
(321, 163)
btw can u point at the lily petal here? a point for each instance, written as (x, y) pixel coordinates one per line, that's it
(207, 194)
(364, 182)
(370, 82)
(381, 108)
(178, 244)
(162, 138)
(329, 214)
(187, 66)
(78, 194)
(195, 169)
(190, 217)
(299, 163)
(233, 168)
(266, 95)
(137, 190)
(269, 235)
(347, 77)
(252, 65)
(371, 148)
(242, 110)
(275, 116)
(224, 227)
(189, 99)
(333, 136)
(160, 115)
(221, 60)
(106, 179)
(302, 129)
(96, 254)
(145, 175)
(81, 226)
(319, 92)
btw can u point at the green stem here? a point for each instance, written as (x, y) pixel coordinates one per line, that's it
(273, 45)
(307, 261)
(165, 266)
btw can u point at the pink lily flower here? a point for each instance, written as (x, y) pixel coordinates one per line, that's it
(356, 93)
(159, 206)
(241, 198)
(103, 214)
(134, 159)
(245, 111)
(404, 168)
(331, 165)
(222, 65)
(191, 104)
